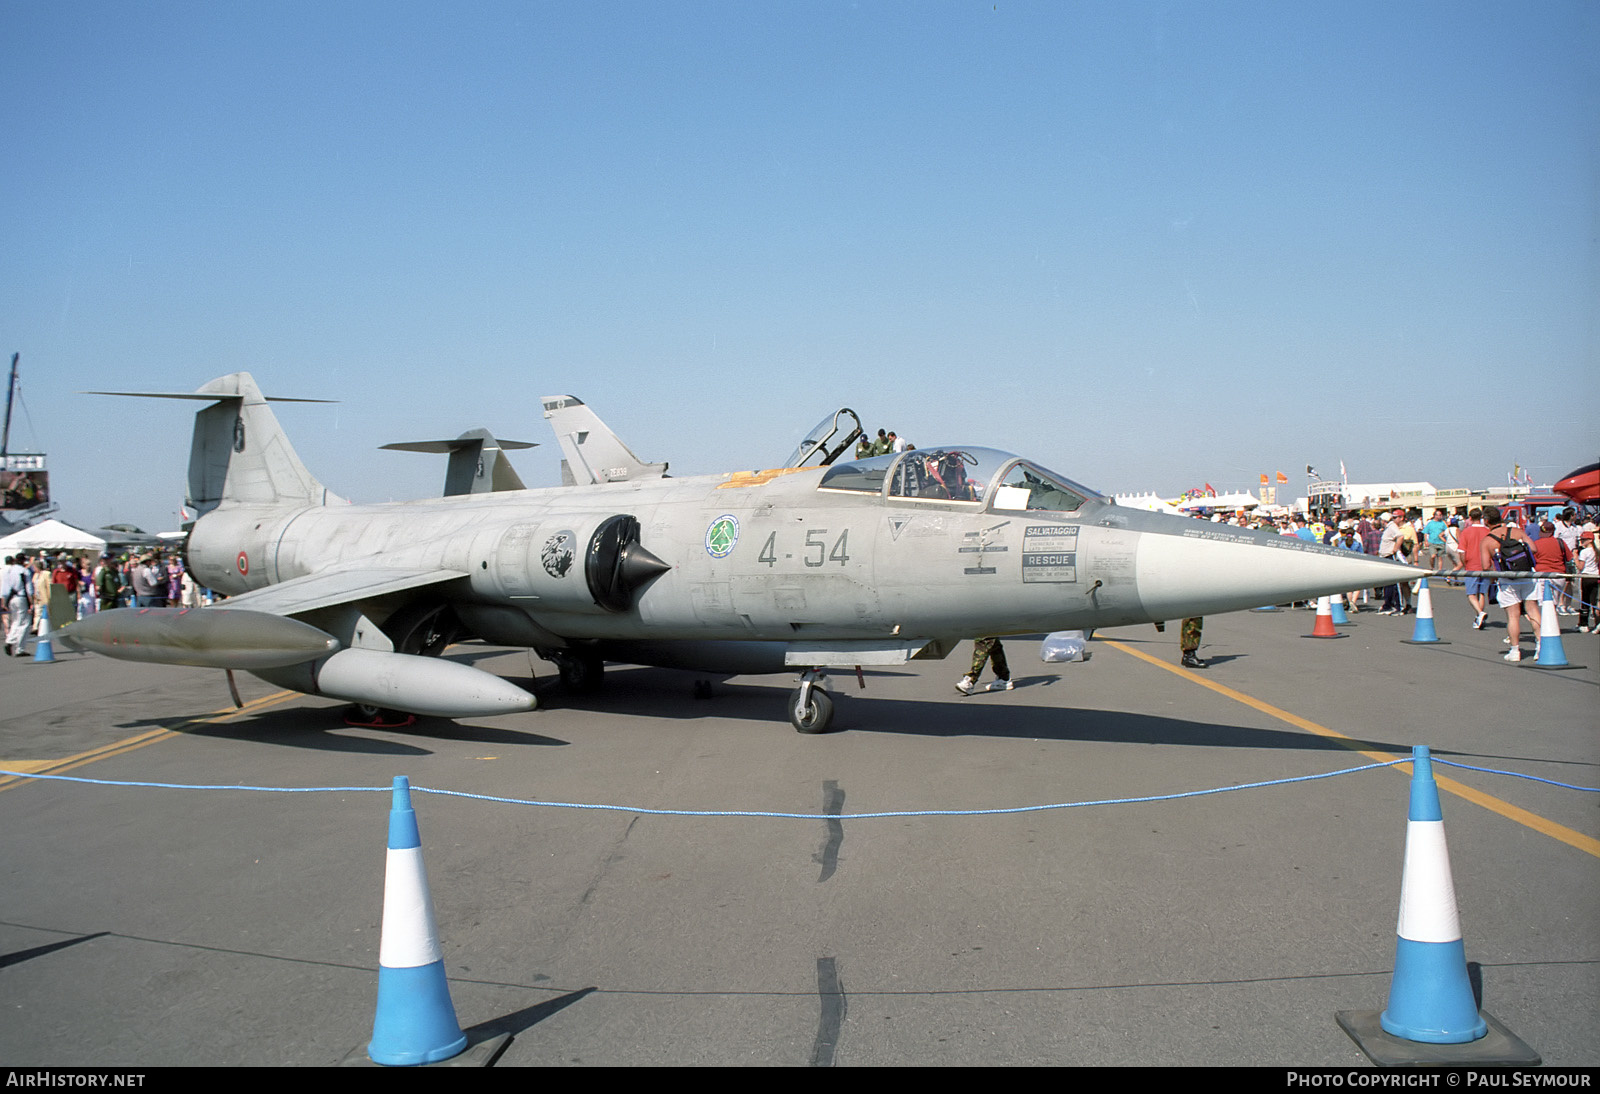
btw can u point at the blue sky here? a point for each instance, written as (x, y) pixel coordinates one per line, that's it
(1149, 244)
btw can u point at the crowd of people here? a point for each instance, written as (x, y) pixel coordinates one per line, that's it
(150, 580)
(1481, 539)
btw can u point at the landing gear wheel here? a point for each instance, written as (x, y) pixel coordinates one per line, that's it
(369, 716)
(812, 715)
(581, 673)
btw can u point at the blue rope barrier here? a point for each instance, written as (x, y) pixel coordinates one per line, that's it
(1517, 775)
(643, 810)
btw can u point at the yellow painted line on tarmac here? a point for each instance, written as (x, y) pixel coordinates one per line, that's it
(128, 744)
(1495, 805)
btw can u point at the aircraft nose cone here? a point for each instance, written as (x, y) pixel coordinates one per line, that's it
(1205, 571)
(638, 565)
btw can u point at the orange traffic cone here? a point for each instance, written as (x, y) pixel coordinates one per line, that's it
(1324, 627)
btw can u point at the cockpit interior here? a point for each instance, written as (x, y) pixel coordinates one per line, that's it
(961, 474)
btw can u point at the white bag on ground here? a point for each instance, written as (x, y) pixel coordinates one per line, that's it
(1063, 646)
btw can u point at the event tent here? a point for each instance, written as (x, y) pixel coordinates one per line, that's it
(51, 535)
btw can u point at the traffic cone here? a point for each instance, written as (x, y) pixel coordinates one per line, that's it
(1552, 654)
(1430, 997)
(1432, 1016)
(44, 652)
(1324, 625)
(415, 1021)
(1424, 634)
(1336, 610)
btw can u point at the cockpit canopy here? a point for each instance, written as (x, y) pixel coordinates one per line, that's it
(960, 473)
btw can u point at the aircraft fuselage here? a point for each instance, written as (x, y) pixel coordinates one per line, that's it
(769, 557)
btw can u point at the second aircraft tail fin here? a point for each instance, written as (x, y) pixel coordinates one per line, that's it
(593, 453)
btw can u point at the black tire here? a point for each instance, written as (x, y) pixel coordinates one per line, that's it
(371, 716)
(815, 716)
(581, 674)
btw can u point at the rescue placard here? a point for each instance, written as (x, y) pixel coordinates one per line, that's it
(1049, 553)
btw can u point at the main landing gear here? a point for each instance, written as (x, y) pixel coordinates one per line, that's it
(810, 707)
(371, 716)
(582, 673)
(423, 629)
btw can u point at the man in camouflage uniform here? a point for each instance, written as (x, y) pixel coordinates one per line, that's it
(1189, 642)
(986, 650)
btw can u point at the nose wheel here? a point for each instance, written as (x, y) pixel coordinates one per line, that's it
(810, 707)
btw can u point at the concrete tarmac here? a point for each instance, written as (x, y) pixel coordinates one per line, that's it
(154, 926)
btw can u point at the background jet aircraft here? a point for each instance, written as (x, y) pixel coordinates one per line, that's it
(591, 452)
(869, 562)
(477, 462)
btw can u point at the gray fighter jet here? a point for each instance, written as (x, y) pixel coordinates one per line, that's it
(801, 568)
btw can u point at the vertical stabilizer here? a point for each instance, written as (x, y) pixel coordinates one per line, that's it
(593, 453)
(478, 463)
(240, 455)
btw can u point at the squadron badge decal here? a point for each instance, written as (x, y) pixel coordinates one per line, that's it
(722, 535)
(556, 555)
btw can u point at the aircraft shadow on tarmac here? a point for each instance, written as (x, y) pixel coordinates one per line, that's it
(322, 729)
(661, 693)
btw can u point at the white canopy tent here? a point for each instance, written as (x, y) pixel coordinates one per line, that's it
(50, 535)
(1147, 501)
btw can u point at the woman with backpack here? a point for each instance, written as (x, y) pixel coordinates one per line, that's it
(1506, 547)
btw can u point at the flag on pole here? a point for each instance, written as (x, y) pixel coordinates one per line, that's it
(1282, 478)
(1263, 478)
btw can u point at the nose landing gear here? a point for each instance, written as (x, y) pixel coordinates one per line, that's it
(810, 707)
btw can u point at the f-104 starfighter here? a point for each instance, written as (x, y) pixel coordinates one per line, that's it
(868, 562)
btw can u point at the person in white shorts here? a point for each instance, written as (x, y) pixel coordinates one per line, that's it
(1513, 594)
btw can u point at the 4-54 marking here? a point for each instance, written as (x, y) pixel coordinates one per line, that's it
(817, 553)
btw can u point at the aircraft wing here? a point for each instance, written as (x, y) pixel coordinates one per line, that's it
(339, 585)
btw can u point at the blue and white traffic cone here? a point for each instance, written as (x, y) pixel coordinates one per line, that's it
(415, 1022)
(44, 652)
(1336, 610)
(1552, 654)
(1432, 1018)
(1430, 997)
(1423, 633)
